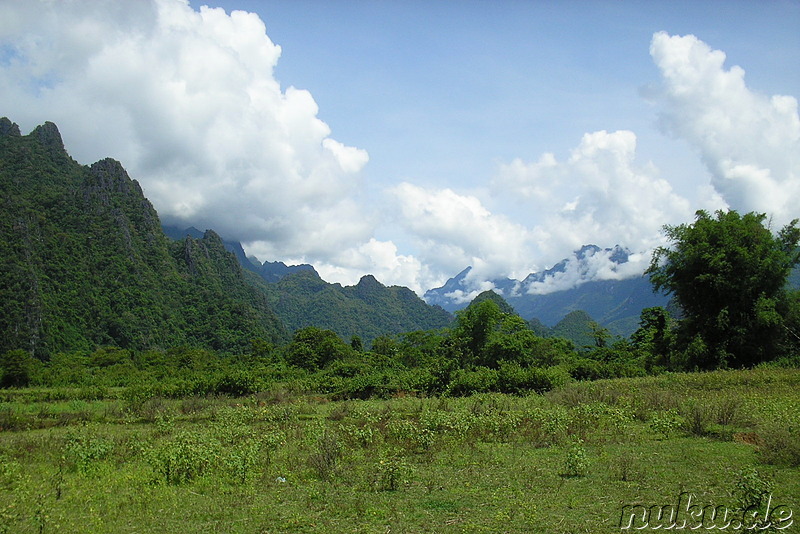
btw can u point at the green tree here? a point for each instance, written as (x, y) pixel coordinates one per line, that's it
(654, 335)
(600, 335)
(356, 344)
(16, 367)
(728, 274)
(313, 348)
(474, 327)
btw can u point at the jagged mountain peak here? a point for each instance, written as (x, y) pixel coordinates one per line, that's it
(369, 281)
(459, 290)
(49, 135)
(598, 280)
(50, 138)
(109, 175)
(88, 243)
(9, 128)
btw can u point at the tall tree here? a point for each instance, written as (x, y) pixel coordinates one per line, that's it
(728, 274)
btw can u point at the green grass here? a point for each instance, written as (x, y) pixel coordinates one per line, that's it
(566, 461)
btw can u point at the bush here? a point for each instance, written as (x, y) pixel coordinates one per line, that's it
(393, 471)
(235, 384)
(576, 461)
(780, 437)
(16, 367)
(84, 450)
(520, 380)
(697, 417)
(479, 380)
(325, 458)
(752, 488)
(185, 457)
(313, 348)
(666, 422)
(363, 386)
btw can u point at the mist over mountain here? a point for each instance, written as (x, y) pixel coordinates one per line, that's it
(270, 271)
(601, 282)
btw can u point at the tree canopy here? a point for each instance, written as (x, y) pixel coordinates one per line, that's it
(728, 274)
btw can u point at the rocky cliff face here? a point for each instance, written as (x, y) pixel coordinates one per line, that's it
(85, 262)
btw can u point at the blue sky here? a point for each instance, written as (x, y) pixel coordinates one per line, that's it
(464, 84)
(411, 139)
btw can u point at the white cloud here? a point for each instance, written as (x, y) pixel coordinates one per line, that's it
(749, 142)
(455, 230)
(599, 195)
(379, 258)
(595, 266)
(188, 101)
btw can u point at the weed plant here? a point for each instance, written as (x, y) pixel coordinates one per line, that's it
(282, 461)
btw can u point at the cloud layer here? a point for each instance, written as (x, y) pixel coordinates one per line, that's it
(749, 142)
(600, 193)
(188, 101)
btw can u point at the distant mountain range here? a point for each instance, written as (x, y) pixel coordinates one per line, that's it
(85, 262)
(300, 297)
(270, 271)
(615, 304)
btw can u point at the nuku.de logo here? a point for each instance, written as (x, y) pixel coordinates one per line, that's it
(686, 515)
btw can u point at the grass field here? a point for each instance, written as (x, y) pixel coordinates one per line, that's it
(116, 460)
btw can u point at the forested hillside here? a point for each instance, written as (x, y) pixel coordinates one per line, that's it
(367, 310)
(85, 262)
(301, 298)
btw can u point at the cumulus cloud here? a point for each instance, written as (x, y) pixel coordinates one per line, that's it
(595, 265)
(749, 142)
(599, 195)
(188, 101)
(381, 259)
(455, 230)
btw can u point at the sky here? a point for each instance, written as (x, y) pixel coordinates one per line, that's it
(410, 139)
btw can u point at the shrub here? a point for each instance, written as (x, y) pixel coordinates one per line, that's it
(16, 367)
(727, 409)
(512, 378)
(548, 427)
(412, 437)
(187, 456)
(697, 417)
(576, 461)
(11, 472)
(325, 458)
(240, 460)
(11, 419)
(84, 450)
(136, 395)
(364, 386)
(780, 437)
(393, 471)
(363, 436)
(752, 488)
(665, 422)
(235, 384)
(466, 382)
(625, 467)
